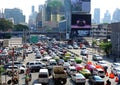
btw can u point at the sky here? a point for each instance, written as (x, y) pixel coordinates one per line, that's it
(26, 5)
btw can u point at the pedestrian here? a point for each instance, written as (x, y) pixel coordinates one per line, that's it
(108, 82)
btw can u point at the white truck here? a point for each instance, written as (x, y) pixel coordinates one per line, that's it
(59, 75)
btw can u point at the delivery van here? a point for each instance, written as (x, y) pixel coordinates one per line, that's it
(43, 76)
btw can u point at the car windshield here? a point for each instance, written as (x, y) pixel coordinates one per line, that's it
(73, 69)
(118, 70)
(79, 75)
(102, 62)
(97, 78)
(85, 70)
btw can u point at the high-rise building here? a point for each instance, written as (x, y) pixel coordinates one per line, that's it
(32, 19)
(107, 17)
(116, 15)
(33, 9)
(67, 4)
(96, 16)
(16, 14)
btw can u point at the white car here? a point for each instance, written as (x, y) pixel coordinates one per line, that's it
(115, 65)
(51, 63)
(116, 70)
(102, 63)
(78, 78)
(72, 62)
(66, 65)
(71, 70)
(84, 52)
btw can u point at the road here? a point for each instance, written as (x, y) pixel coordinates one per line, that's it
(69, 82)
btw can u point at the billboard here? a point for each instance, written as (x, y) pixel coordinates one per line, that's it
(81, 21)
(80, 6)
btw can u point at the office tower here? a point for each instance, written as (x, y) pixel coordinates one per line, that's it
(33, 9)
(97, 16)
(32, 19)
(107, 17)
(116, 15)
(16, 14)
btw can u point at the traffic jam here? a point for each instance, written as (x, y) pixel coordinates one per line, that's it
(53, 60)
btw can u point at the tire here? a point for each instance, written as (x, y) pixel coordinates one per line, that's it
(22, 71)
(9, 82)
(64, 81)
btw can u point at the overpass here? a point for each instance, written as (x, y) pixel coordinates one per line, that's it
(31, 32)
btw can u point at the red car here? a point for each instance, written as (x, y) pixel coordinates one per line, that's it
(79, 67)
(90, 67)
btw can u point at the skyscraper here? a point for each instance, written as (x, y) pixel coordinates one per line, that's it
(97, 15)
(116, 15)
(16, 14)
(107, 17)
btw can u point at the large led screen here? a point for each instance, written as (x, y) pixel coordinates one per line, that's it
(80, 21)
(80, 6)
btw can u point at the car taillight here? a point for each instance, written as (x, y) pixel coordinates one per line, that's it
(77, 79)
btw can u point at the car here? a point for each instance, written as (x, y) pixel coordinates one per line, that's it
(38, 56)
(29, 51)
(66, 65)
(75, 46)
(60, 61)
(79, 67)
(84, 52)
(78, 78)
(51, 63)
(71, 70)
(72, 61)
(85, 72)
(90, 67)
(14, 68)
(116, 71)
(34, 66)
(96, 80)
(70, 47)
(102, 63)
(115, 65)
(97, 57)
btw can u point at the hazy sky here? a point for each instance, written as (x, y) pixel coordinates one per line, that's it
(25, 5)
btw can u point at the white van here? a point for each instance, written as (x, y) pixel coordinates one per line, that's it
(99, 71)
(43, 76)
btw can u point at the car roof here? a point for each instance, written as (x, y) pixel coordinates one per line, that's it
(72, 67)
(43, 70)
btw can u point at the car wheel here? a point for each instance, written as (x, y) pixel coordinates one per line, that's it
(22, 71)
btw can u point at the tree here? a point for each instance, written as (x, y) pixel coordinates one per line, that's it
(106, 46)
(5, 25)
(20, 27)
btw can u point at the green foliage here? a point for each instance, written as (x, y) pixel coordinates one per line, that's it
(20, 27)
(106, 46)
(5, 25)
(55, 5)
(1, 70)
(94, 42)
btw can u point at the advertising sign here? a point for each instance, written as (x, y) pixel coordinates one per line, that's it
(81, 21)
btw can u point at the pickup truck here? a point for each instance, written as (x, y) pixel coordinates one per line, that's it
(59, 75)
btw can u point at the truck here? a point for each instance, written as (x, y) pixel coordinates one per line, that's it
(59, 75)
